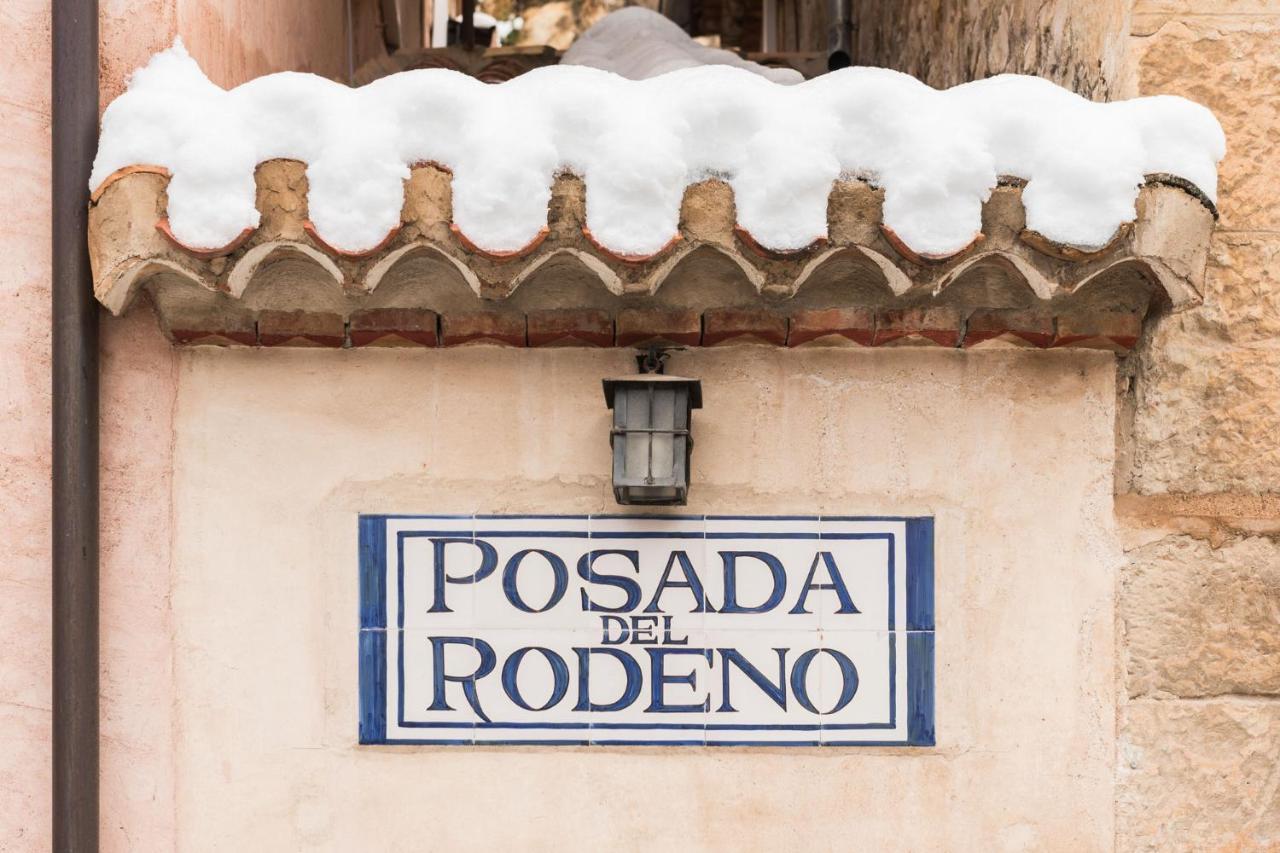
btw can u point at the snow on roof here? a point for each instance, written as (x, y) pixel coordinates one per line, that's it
(638, 144)
(639, 43)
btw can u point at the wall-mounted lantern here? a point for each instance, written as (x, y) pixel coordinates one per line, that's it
(650, 436)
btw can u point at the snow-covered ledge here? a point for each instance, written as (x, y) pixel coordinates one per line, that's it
(704, 205)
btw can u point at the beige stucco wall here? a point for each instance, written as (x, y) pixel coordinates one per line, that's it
(277, 451)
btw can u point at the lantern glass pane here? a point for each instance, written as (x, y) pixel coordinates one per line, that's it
(637, 443)
(664, 404)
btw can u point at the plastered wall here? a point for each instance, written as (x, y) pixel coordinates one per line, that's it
(24, 430)
(277, 451)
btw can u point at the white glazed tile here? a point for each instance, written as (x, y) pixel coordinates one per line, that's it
(544, 668)
(644, 721)
(876, 715)
(779, 525)
(543, 567)
(609, 525)
(410, 569)
(657, 543)
(410, 713)
(483, 613)
(756, 715)
(416, 578)
(504, 526)
(863, 567)
(755, 585)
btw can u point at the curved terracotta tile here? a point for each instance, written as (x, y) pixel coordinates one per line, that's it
(895, 280)
(122, 172)
(203, 254)
(626, 258)
(775, 254)
(1168, 180)
(1018, 267)
(926, 258)
(470, 246)
(1067, 252)
(310, 228)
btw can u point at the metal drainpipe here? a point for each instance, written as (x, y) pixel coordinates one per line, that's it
(75, 432)
(840, 34)
(467, 35)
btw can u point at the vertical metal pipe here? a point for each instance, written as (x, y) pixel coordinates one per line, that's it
(467, 35)
(841, 26)
(75, 432)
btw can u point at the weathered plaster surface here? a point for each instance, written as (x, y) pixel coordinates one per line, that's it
(139, 387)
(24, 429)
(276, 452)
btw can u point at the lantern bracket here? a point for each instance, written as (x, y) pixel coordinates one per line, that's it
(653, 359)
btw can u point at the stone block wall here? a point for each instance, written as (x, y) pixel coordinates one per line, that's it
(1080, 45)
(1200, 600)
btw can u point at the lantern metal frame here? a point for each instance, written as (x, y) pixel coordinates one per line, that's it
(670, 485)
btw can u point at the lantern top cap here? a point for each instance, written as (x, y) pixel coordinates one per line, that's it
(694, 385)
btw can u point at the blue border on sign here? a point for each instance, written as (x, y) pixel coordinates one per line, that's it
(919, 633)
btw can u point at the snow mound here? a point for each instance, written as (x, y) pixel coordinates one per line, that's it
(639, 43)
(638, 143)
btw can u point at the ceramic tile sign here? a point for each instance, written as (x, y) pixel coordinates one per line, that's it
(654, 630)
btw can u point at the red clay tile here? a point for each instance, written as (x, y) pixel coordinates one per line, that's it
(482, 327)
(849, 326)
(123, 172)
(500, 256)
(300, 329)
(1020, 328)
(394, 327)
(735, 325)
(625, 258)
(776, 254)
(638, 327)
(570, 328)
(310, 228)
(214, 337)
(936, 325)
(203, 254)
(925, 258)
(1109, 330)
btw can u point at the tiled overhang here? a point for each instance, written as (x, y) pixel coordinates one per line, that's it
(427, 285)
